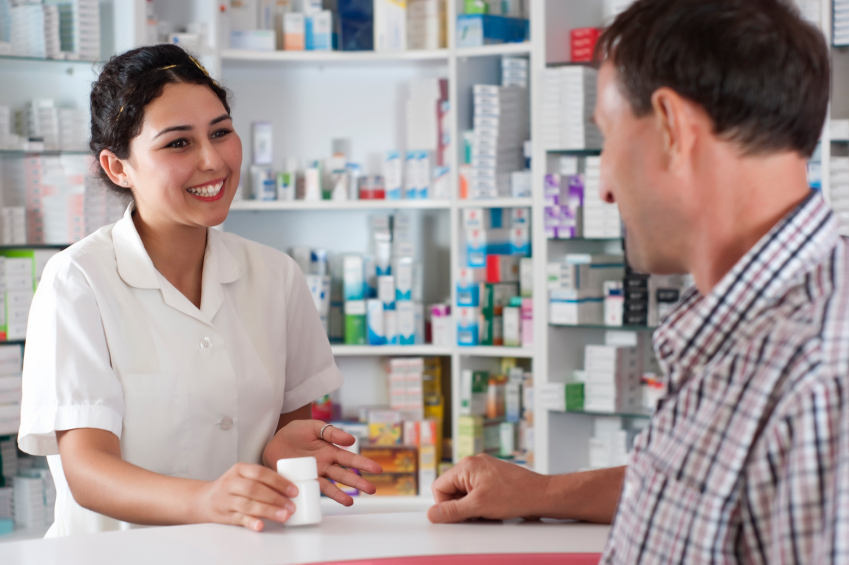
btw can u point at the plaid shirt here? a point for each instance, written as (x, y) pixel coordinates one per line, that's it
(747, 458)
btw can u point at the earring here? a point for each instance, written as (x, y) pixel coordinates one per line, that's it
(126, 183)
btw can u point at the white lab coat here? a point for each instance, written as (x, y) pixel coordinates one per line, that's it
(111, 344)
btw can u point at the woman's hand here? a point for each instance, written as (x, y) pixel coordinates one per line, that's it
(300, 438)
(245, 495)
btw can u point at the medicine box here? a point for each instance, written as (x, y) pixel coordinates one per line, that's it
(406, 319)
(393, 174)
(468, 326)
(253, 40)
(496, 296)
(319, 31)
(473, 392)
(355, 322)
(262, 143)
(402, 269)
(386, 291)
(390, 25)
(476, 30)
(390, 326)
(441, 324)
(393, 459)
(388, 484)
(571, 307)
(512, 327)
(11, 360)
(502, 268)
(353, 274)
(294, 31)
(526, 277)
(384, 427)
(375, 322)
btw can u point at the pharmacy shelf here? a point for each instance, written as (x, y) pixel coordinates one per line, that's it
(333, 57)
(604, 327)
(22, 153)
(495, 351)
(16, 58)
(523, 48)
(278, 205)
(497, 203)
(575, 152)
(643, 415)
(390, 350)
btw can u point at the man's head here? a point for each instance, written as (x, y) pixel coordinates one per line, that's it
(685, 82)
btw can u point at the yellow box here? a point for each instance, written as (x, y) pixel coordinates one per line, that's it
(399, 459)
(394, 484)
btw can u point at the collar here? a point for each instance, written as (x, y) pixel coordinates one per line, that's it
(700, 326)
(137, 270)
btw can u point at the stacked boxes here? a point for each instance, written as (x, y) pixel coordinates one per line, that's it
(839, 176)
(86, 29)
(400, 469)
(576, 287)
(14, 220)
(496, 414)
(8, 461)
(428, 158)
(390, 25)
(476, 30)
(35, 498)
(426, 24)
(840, 19)
(582, 42)
(564, 198)
(600, 219)
(609, 445)
(42, 122)
(568, 100)
(11, 365)
(6, 139)
(501, 126)
(514, 71)
(612, 379)
(406, 390)
(67, 30)
(73, 129)
(7, 521)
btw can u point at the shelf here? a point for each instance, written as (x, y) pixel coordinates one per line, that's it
(495, 351)
(586, 239)
(389, 350)
(523, 48)
(333, 57)
(497, 203)
(604, 327)
(645, 415)
(57, 246)
(44, 60)
(279, 205)
(576, 152)
(52, 153)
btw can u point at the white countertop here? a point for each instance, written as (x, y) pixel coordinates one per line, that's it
(340, 537)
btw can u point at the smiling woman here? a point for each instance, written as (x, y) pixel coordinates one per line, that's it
(168, 364)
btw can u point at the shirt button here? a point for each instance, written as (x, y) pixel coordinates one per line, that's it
(205, 343)
(226, 423)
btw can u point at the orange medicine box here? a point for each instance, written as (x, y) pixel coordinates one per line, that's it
(393, 459)
(394, 484)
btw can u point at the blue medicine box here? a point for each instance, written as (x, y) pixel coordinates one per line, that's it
(356, 25)
(475, 30)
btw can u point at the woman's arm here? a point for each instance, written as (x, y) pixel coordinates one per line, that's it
(103, 482)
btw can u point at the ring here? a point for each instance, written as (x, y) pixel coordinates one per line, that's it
(321, 433)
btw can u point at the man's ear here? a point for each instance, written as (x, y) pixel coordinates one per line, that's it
(675, 121)
(116, 169)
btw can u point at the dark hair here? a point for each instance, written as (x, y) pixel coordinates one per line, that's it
(128, 83)
(760, 72)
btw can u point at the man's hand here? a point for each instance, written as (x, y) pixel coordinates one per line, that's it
(300, 439)
(485, 487)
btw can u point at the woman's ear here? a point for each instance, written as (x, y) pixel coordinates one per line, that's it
(115, 168)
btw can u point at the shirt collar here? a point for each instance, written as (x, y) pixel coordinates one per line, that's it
(700, 326)
(137, 270)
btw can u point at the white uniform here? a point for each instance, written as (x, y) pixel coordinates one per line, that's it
(111, 344)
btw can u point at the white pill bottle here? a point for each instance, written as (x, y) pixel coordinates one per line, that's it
(303, 471)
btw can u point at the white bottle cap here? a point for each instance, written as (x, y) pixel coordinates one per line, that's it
(298, 468)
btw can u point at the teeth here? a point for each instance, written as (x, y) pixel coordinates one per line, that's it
(208, 190)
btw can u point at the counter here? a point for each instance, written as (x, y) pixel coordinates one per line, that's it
(344, 536)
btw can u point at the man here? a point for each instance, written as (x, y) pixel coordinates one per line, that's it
(710, 109)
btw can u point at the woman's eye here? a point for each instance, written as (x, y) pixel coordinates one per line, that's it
(178, 144)
(221, 133)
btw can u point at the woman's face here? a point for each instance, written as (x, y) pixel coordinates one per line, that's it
(184, 165)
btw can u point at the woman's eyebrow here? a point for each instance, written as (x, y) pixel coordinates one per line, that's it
(220, 118)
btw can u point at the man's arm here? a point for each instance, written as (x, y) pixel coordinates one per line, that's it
(485, 487)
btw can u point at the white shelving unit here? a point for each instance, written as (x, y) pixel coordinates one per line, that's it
(313, 97)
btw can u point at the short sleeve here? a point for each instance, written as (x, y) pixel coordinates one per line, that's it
(68, 381)
(796, 498)
(311, 370)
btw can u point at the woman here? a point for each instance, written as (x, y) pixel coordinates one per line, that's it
(169, 365)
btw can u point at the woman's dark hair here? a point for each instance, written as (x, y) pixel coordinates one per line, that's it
(129, 82)
(760, 72)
